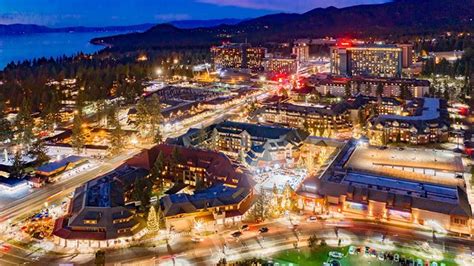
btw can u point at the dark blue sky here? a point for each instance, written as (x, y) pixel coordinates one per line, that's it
(126, 12)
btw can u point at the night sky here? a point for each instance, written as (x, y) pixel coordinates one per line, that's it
(58, 13)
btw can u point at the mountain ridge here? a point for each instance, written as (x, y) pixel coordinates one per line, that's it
(19, 29)
(397, 17)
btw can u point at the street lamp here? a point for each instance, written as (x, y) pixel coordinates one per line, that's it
(159, 71)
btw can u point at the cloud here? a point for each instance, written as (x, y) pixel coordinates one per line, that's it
(171, 17)
(289, 5)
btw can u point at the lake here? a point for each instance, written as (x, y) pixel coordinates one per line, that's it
(29, 46)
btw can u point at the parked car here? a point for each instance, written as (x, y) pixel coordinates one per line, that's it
(352, 250)
(336, 255)
(373, 253)
(197, 239)
(396, 258)
(236, 234)
(381, 256)
(367, 251)
(419, 262)
(312, 219)
(244, 227)
(263, 230)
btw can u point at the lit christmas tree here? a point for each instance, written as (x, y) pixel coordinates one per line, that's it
(152, 222)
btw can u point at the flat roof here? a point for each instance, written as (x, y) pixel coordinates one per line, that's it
(361, 185)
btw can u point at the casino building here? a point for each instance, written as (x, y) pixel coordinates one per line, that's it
(238, 55)
(376, 196)
(366, 60)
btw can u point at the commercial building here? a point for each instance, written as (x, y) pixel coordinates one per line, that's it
(98, 214)
(102, 212)
(301, 51)
(314, 118)
(226, 191)
(407, 54)
(281, 65)
(428, 124)
(407, 191)
(238, 55)
(392, 87)
(255, 145)
(54, 168)
(366, 60)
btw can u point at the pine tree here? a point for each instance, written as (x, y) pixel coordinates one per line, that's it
(161, 218)
(156, 175)
(379, 90)
(18, 166)
(368, 89)
(6, 132)
(78, 138)
(155, 118)
(117, 135)
(152, 222)
(287, 195)
(347, 89)
(24, 124)
(38, 151)
(260, 209)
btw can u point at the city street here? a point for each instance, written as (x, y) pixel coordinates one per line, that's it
(279, 237)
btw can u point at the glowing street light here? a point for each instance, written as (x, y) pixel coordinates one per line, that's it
(262, 78)
(159, 71)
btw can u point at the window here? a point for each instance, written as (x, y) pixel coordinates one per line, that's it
(460, 221)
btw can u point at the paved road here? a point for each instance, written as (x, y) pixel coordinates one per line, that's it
(58, 190)
(50, 193)
(280, 237)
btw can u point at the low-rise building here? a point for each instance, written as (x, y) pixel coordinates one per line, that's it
(399, 198)
(226, 191)
(392, 87)
(253, 144)
(98, 214)
(313, 118)
(428, 124)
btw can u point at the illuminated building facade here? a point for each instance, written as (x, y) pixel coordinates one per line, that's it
(407, 55)
(428, 124)
(336, 86)
(301, 51)
(279, 65)
(314, 119)
(255, 145)
(238, 55)
(374, 60)
(381, 197)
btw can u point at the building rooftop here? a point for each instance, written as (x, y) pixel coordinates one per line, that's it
(361, 186)
(53, 166)
(96, 205)
(216, 196)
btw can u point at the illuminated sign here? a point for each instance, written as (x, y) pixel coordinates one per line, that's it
(399, 214)
(356, 206)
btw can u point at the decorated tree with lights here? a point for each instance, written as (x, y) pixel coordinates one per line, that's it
(161, 218)
(286, 202)
(152, 222)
